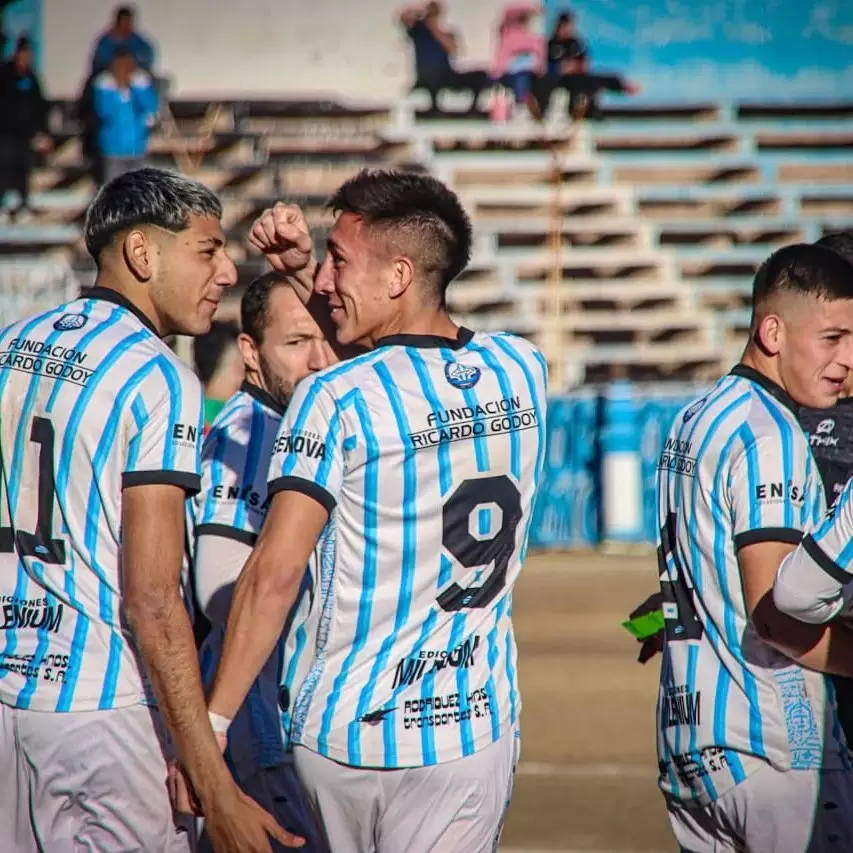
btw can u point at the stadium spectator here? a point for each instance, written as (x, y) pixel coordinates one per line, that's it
(568, 68)
(125, 104)
(92, 706)
(751, 755)
(280, 344)
(435, 47)
(122, 36)
(23, 124)
(519, 59)
(381, 502)
(219, 365)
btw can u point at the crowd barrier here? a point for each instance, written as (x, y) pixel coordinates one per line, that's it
(598, 485)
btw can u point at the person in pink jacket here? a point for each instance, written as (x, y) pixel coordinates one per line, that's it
(520, 57)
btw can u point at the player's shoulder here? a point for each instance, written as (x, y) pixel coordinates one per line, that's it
(506, 345)
(337, 378)
(242, 415)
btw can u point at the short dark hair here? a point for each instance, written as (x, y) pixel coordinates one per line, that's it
(146, 196)
(209, 348)
(803, 268)
(841, 242)
(125, 12)
(255, 305)
(23, 43)
(421, 212)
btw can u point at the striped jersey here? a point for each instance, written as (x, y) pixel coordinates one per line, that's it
(233, 503)
(91, 402)
(735, 470)
(426, 452)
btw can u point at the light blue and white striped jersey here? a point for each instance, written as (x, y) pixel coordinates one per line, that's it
(91, 402)
(736, 470)
(815, 582)
(426, 452)
(233, 503)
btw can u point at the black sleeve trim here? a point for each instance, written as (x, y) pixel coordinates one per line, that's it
(226, 531)
(822, 561)
(188, 482)
(306, 487)
(768, 534)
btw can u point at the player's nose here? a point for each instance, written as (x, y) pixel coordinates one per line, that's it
(324, 281)
(226, 274)
(318, 358)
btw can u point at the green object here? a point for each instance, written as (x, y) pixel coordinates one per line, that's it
(211, 409)
(645, 626)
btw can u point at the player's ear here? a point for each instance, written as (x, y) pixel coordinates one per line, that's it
(139, 254)
(402, 275)
(249, 351)
(770, 334)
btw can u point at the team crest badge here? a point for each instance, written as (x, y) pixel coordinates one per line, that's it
(70, 322)
(461, 376)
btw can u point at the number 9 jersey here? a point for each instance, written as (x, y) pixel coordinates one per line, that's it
(735, 470)
(426, 452)
(91, 402)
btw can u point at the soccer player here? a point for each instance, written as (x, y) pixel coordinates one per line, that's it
(404, 478)
(99, 443)
(280, 344)
(750, 751)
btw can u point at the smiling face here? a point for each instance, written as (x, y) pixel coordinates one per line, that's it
(812, 339)
(358, 279)
(192, 272)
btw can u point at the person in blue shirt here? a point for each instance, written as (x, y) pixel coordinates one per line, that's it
(122, 35)
(125, 103)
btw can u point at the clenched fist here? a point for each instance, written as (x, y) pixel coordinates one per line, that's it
(282, 234)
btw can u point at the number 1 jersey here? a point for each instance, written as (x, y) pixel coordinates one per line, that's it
(736, 470)
(426, 452)
(91, 402)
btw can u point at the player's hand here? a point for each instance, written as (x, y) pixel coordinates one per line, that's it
(651, 645)
(282, 234)
(181, 792)
(240, 825)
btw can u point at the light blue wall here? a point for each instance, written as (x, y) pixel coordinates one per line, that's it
(723, 49)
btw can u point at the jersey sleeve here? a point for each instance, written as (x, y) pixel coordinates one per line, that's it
(232, 500)
(814, 582)
(308, 454)
(165, 431)
(772, 488)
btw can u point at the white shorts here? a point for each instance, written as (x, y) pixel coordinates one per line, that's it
(456, 807)
(279, 791)
(92, 781)
(798, 811)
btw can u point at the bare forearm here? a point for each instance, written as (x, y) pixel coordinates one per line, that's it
(165, 639)
(824, 648)
(303, 281)
(255, 624)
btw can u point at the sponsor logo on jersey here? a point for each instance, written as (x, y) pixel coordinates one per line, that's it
(773, 493)
(693, 409)
(461, 376)
(306, 444)
(822, 436)
(70, 322)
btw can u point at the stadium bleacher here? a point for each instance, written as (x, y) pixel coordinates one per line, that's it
(625, 247)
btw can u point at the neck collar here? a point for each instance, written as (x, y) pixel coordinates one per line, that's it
(775, 390)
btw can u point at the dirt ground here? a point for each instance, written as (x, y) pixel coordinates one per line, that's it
(586, 781)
